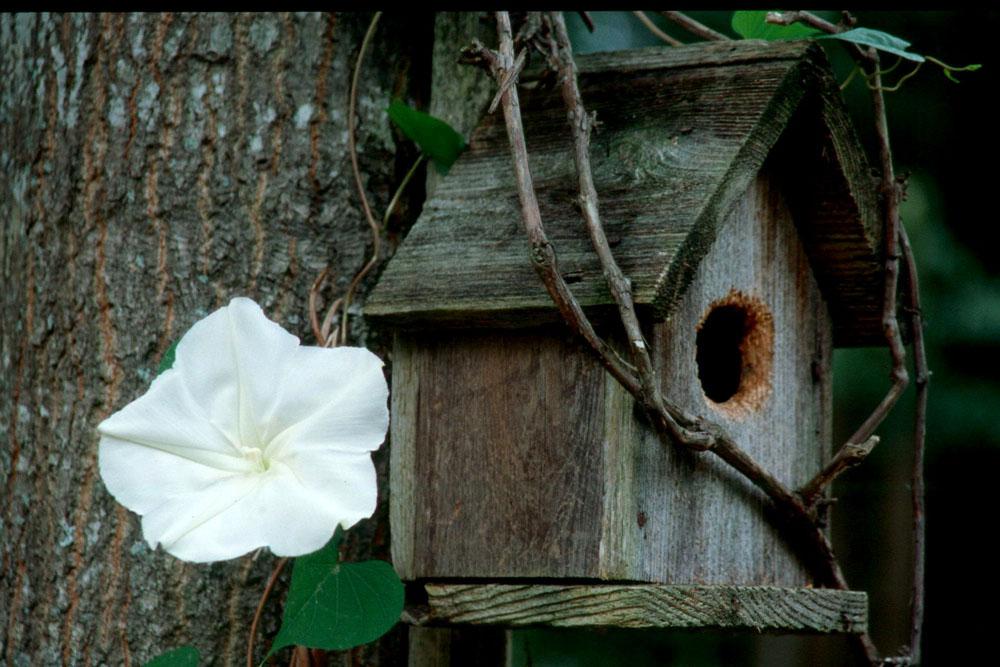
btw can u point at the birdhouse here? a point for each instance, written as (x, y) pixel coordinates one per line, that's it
(526, 487)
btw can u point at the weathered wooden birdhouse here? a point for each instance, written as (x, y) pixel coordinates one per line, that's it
(736, 197)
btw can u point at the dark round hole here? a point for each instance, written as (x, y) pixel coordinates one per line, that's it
(719, 352)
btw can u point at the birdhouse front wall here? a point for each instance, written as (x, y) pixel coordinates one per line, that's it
(515, 455)
(688, 517)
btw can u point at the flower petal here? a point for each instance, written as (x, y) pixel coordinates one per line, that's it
(142, 478)
(160, 436)
(330, 398)
(230, 362)
(292, 510)
(342, 484)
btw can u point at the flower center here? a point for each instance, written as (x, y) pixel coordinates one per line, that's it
(256, 458)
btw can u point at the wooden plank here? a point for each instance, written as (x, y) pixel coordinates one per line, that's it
(691, 55)
(700, 521)
(403, 453)
(757, 608)
(450, 81)
(506, 475)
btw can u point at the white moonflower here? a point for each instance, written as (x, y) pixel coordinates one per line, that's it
(249, 440)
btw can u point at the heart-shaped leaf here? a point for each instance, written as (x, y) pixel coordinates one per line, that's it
(336, 606)
(877, 39)
(436, 138)
(185, 656)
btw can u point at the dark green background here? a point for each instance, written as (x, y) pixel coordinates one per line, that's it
(944, 137)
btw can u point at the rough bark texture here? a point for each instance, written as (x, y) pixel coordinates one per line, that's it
(151, 168)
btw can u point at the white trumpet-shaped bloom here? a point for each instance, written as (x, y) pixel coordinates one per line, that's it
(249, 440)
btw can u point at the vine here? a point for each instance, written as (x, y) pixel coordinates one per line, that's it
(802, 510)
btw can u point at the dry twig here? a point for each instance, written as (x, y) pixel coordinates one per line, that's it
(849, 456)
(653, 28)
(806, 18)
(923, 377)
(352, 147)
(694, 27)
(672, 424)
(543, 257)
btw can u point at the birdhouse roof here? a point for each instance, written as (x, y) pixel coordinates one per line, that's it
(682, 134)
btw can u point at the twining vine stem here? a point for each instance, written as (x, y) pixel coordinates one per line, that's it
(674, 426)
(897, 244)
(272, 580)
(322, 331)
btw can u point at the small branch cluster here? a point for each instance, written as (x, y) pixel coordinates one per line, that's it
(800, 510)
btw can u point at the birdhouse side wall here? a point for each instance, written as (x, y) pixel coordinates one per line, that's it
(497, 464)
(689, 518)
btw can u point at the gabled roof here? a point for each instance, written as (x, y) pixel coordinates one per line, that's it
(682, 133)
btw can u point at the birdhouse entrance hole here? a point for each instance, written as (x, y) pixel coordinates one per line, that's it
(735, 348)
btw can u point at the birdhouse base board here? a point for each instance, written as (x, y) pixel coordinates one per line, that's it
(756, 608)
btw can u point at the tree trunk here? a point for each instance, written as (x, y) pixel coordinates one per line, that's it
(153, 167)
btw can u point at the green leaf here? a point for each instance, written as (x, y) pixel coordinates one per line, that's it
(877, 39)
(168, 358)
(336, 606)
(185, 656)
(752, 25)
(436, 138)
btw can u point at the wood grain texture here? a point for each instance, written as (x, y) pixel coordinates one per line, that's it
(504, 456)
(515, 455)
(701, 522)
(152, 166)
(756, 608)
(826, 181)
(679, 142)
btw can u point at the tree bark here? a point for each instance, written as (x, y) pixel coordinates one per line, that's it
(153, 167)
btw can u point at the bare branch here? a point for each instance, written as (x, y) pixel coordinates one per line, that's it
(919, 437)
(849, 456)
(620, 286)
(694, 27)
(806, 18)
(653, 28)
(890, 325)
(314, 308)
(640, 380)
(543, 256)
